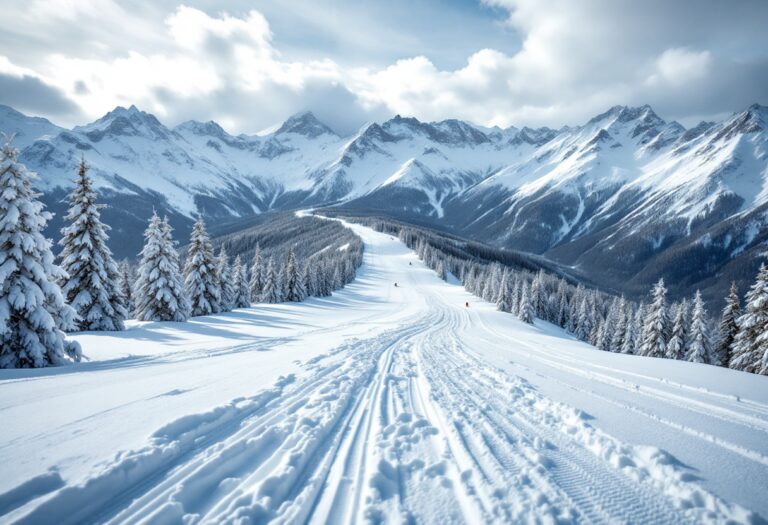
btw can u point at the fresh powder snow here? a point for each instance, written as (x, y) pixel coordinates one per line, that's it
(381, 404)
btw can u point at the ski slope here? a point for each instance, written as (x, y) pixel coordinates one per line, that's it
(380, 404)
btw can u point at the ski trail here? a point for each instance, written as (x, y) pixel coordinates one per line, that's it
(407, 424)
(716, 406)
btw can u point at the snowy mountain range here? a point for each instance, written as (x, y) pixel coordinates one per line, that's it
(626, 195)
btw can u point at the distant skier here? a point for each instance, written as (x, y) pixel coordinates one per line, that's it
(410, 263)
(466, 304)
(395, 285)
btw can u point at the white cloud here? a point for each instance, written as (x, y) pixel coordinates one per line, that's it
(575, 59)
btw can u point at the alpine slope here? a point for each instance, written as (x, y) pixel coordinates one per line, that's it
(381, 404)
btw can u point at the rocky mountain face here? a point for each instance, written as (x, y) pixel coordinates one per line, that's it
(626, 197)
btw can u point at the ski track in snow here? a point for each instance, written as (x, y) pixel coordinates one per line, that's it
(411, 424)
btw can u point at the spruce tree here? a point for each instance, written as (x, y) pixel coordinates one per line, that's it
(700, 346)
(271, 292)
(750, 348)
(503, 301)
(294, 286)
(125, 285)
(33, 313)
(309, 278)
(584, 324)
(242, 287)
(721, 353)
(678, 343)
(200, 281)
(656, 324)
(620, 330)
(226, 282)
(526, 314)
(91, 285)
(257, 276)
(159, 294)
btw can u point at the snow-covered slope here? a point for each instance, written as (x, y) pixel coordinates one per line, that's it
(379, 404)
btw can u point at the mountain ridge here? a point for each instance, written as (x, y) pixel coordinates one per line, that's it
(621, 189)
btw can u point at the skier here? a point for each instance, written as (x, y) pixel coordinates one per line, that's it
(466, 305)
(395, 285)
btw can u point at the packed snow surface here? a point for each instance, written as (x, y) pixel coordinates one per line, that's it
(382, 404)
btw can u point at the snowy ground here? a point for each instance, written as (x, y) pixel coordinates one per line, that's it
(381, 403)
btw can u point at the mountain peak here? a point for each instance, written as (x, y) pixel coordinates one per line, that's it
(304, 123)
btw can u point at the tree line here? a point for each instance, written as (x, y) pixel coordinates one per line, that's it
(656, 328)
(40, 301)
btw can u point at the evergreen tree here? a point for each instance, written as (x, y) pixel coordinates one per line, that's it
(242, 288)
(629, 346)
(294, 286)
(271, 292)
(504, 299)
(200, 278)
(700, 346)
(526, 306)
(537, 295)
(159, 294)
(620, 332)
(603, 338)
(257, 276)
(750, 348)
(440, 270)
(678, 343)
(563, 308)
(584, 324)
(721, 354)
(91, 285)
(33, 313)
(125, 285)
(656, 325)
(226, 282)
(309, 279)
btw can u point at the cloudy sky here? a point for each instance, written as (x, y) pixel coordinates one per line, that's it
(250, 64)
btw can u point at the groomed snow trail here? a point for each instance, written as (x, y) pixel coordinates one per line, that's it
(391, 405)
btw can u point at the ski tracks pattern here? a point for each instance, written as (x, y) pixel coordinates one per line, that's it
(404, 427)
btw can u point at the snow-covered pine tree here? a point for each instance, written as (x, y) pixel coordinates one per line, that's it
(700, 345)
(608, 326)
(721, 353)
(33, 313)
(440, 270)
(159, 293)
(517, 292)
(584, 324)
(656, 324)
(503, 302)
(242, 288)
(337, 281)
(257, 275)
(620, 328)
(750, 348)
(226, 282)
(574, 307)
(628, 346)
(200, 282)
(294, 287)
(537, 295)
(602, 338)
(308, 278)
(91, 285)
(561, 318)
(677, 348)
(271, 292)
(526, 305)
(125, 285)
